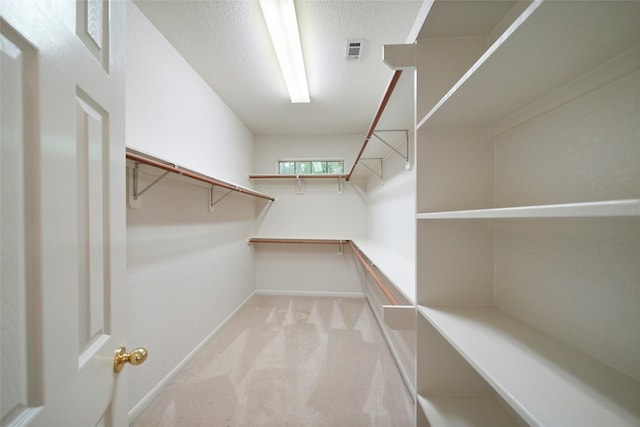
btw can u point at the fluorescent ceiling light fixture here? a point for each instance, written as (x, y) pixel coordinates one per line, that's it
(280, 16)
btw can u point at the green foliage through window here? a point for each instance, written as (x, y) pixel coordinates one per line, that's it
(311, 167)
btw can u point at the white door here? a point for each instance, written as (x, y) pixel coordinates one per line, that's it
(63, 212)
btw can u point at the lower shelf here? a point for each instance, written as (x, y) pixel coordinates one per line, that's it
(398, 269)
(545, 382)
(607, 208)
(463, 411)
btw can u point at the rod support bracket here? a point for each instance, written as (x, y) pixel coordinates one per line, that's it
(213, 201)
(377, 172)
(135, 193)
(299, 185)
(404, 155)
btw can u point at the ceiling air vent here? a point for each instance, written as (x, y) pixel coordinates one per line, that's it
(354, 50)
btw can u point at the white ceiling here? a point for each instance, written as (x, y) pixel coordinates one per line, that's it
(227, 43)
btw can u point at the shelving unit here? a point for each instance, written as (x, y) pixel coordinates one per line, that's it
(317, 176)
(137, 157)
(369, 250)
(528, 214)
(300, 179)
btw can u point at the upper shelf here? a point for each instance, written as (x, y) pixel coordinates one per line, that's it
(138, 157)
(559, 35)
(309, 176)
(298, 240)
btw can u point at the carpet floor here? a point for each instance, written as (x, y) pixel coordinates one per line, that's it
(289, 361)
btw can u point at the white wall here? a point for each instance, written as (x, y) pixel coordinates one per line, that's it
(391, 207)
(318, 213)
(296, 269)
(271, 148)
(173, 114)
(188, 269)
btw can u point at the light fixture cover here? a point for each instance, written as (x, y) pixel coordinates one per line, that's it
(280, 16)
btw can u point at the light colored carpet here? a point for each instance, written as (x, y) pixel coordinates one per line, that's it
(289, 361)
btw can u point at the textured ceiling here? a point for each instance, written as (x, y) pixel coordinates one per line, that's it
(227, 43)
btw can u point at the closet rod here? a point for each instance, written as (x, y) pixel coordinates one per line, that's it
(373, 274)
(194, 175)
(374, 123)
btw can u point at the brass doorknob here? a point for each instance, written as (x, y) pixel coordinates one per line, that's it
(136, 357)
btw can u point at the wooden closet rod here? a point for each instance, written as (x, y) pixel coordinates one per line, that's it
(374, 275)
(194, 175)
(376, 118)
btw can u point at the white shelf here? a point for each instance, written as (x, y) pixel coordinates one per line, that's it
(399, 270)
(611, 208)
(465, 411)
(545, 382)
(298, 240)
(553, 58)
(299, 176)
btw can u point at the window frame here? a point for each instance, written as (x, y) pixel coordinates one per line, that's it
(326, 162)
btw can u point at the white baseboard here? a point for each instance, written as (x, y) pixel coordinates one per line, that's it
(311, 293)
(145, 401)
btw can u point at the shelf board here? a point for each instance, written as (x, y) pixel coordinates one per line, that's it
(609, 208)
(308, 176)
(297, 240)
(465, 411)
(559, 35)
(399, 270)
(137, 156)
(544, 381)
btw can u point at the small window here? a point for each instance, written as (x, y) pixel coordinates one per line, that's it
(311, 167)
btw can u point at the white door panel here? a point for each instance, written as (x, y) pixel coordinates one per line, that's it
(63, 218)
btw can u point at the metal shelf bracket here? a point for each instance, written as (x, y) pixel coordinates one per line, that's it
(212, 201)
(134, 192)
(404, 155)
(299, 185)
(377, 171)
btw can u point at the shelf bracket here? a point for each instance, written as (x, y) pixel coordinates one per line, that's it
(299, 185)
(135, 193)
(339, 186)
(341, 247)
(407, 165)
(212, 201)
(378, 172)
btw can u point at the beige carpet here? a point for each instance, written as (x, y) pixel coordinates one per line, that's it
(289, 361)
